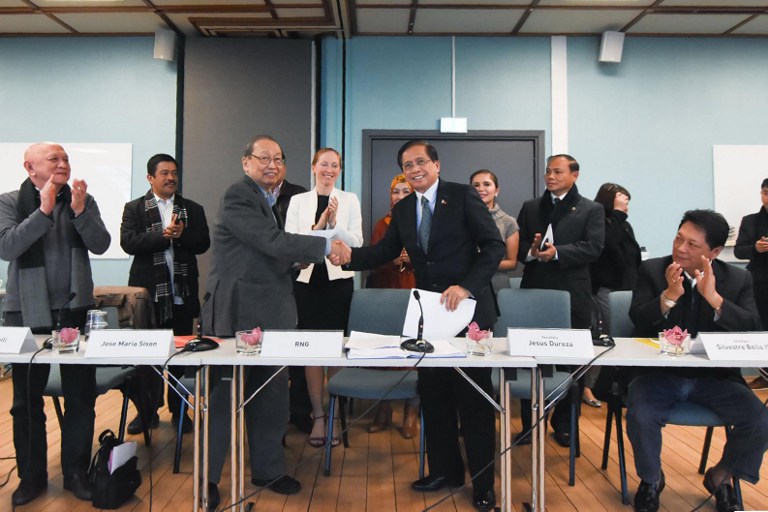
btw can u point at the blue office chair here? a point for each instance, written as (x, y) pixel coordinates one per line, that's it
(380, 311)
(685, 413)
(539, 309)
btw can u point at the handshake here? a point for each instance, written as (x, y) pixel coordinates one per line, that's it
(340, 253)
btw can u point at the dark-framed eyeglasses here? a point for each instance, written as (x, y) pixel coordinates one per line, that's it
(264, 160)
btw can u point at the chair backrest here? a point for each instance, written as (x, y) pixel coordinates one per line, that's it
(533, 308)
(514, 282)
(378, 310)
(618, 305)
(134, 305)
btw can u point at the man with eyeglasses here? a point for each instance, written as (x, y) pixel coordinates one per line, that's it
(455, 248)
(562, 261)
(251, 283)
(164, 232)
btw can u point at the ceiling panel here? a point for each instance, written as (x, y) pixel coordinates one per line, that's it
(381, 2)
(758, 25)
(126, 23)
(301, 13)
(30, 24)
(462, 21)
(382, 21)
(596, 3)
(465, 3)
(564, 21)
(58, 4)
(694, 24)
(12, 3)
(210, 3)
(715, 3)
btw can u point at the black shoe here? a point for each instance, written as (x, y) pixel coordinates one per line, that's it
(303, 422)
(435, 483)
(522, 439)
(484, 500)
(214, 499)
(79, 485)
(186, 425)
(563, 438)
(135, 426)
(724, 493)
(28, 490)
(283, 485)
(647, 496)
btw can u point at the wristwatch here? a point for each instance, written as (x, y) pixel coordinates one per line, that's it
(668, 302)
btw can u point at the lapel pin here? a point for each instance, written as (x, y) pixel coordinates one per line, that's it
(443, 202)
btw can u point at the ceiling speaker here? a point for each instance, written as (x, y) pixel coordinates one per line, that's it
(612, 47)
(165, 44)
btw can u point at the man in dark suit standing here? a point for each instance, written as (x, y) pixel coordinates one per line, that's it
(164, 231)
(694, 291)
(752, 245)
(455, 248)
(562, 263)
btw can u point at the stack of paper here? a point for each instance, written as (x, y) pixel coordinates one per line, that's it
(362, 345)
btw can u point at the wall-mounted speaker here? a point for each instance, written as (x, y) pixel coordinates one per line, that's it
(165, 44)
(612, 47)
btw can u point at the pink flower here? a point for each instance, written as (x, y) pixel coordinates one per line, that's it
(67, 335)
(675, 336)
(253, 337)
(475, 334)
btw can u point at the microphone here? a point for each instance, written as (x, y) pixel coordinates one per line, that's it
(49, 342)
(418, 344)
(200, 344)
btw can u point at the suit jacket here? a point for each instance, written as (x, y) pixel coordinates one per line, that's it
(465, 246)
(287, 191)
(135, 240)
(738, 311)
(751, 229)
(578, 236)
(349, 223)
(251, 279)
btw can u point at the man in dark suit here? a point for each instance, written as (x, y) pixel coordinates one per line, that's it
(694, 291)
(752, 245)
(457, 257)
(578, 233)
(164, 231)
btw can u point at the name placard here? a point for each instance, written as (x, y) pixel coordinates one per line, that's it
(724, 346)
(302, 343)
(550, 342)
(16, 340)
(135, 343)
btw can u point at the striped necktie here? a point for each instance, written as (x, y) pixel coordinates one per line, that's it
(426, 224)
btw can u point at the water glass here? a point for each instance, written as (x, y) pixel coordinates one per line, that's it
(66, 340)
(247, 343)
(95, 319)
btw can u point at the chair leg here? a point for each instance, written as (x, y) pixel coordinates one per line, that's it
(422, 445)
(343, 418)
(59, 410)
(123, 419)
(329, 435)
(737, 491)
(179, 434)
(705, 448)
(607, 439)
(622, 459)
(575, 449)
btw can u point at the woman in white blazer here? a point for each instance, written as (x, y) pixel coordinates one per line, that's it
(323, 291)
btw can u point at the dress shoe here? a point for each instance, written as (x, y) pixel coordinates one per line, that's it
(214, 498)
(410, 422)
(758, 383)
(563, 438)
(435, 483)
(523, 439)
(79, 485)
(724, 494)
(647, 496)
(283, 485)
(186, 424)
(382, 419)
(135, 426)
(484, 500)
(28, 490)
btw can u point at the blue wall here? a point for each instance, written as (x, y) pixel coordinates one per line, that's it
(89, 90)
(648, 123)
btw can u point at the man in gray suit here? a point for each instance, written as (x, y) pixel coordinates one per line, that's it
(251, 286)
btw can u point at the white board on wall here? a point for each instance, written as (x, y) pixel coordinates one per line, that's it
(105, 167)
(739, 170)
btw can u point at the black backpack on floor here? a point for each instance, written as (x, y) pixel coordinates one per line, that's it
(110, 491)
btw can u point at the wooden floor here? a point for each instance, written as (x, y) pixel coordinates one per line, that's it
(375, 473)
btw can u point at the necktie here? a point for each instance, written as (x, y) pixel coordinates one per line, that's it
(426, 223)
(556, 201)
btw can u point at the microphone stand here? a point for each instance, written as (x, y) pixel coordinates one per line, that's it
(419, 344)
(200, 343)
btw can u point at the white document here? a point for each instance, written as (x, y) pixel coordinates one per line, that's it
(370, 341)
(439, 323)
(549, 237)
(121, 454)
(443, 348)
